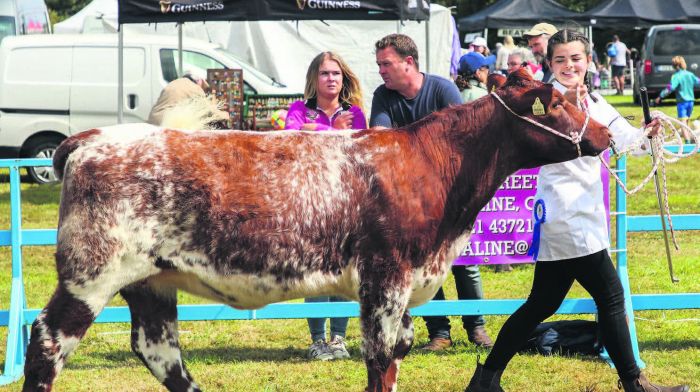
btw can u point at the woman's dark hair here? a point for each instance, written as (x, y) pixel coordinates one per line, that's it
(564, 37)
(463, 79)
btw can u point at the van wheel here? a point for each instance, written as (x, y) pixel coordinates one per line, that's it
(43, 147)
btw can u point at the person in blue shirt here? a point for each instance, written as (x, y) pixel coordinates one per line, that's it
(406, 96)
(682, 83)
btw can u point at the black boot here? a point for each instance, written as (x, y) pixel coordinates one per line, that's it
(641, 384)
(485, 380)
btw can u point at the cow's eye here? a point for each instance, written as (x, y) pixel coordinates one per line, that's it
(557, 105)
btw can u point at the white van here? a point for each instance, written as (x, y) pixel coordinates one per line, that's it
(52, 86)
(19, 17)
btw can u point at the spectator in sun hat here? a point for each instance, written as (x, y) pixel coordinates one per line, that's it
(479, 45)
(473, 72)
(537, 38)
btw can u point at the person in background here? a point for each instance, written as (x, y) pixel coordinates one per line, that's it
(406, 96)
(537, 38)
(473, 72)
(522, 58)
(682, 83)
(479, 45)
(503, 53)
(333, 100)
(191, 84)
(618, 61)
(574, 240)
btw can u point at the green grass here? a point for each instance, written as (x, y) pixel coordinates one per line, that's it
(269, 355)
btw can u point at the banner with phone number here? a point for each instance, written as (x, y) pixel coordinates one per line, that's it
(502, 232)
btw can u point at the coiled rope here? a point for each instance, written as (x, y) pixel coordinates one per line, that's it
(671, 130)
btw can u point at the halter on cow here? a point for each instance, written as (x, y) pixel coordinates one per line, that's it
(250, 218)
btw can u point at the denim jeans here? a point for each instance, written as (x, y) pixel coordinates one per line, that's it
(468, 282)
(552, 281)
(317, 326)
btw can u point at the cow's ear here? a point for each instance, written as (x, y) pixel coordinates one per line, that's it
(495, 81)
(521, 78)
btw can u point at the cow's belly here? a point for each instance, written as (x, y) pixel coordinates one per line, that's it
(248, 291)
(425, 285)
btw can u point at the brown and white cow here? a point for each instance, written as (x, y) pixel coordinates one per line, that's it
(250, 218)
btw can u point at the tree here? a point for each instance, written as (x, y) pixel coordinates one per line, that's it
(62, 9)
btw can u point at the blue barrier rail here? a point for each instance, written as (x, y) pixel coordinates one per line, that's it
(18, 317)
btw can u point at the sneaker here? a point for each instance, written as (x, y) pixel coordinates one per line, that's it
(337, 348)
(319, 351)
(437, 344)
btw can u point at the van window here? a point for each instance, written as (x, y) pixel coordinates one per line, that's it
(7, 26)
(191, 61)
(677, 42)
(35, 23)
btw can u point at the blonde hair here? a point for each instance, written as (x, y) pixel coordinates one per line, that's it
(350, 92)
(678, 62)
(508, 42)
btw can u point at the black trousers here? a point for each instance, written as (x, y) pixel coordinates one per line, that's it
(553, 280)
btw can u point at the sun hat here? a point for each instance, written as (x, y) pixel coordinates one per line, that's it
(479, 41)
(539, 29)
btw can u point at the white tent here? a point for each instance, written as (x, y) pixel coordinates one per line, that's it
(284, 49)
(97, 17)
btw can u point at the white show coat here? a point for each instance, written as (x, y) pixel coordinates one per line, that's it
(572, 191)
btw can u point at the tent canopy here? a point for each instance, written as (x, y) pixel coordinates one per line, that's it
(517, 13)
(154, 11)
(625, 14)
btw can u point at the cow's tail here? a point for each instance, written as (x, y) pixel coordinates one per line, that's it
(67, 147)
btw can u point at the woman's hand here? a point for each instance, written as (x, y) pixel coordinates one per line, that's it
(580, 91)
(655, 126)
(343, 121)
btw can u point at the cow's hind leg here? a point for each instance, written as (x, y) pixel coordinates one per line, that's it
(387, 331)
(56, 332)
(154, 334)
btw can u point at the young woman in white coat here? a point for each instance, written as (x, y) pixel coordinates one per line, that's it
(574, 238)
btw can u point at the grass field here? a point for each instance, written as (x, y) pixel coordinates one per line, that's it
(270, 355)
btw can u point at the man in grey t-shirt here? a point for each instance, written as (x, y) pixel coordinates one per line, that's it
(406, 96)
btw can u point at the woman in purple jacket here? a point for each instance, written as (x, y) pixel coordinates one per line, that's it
(333, 98)
(333, 101)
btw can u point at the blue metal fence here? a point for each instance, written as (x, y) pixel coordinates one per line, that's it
(18, 317)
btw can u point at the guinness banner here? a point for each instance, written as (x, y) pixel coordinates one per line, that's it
(158, 11)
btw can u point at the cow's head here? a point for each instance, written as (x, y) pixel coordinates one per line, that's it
(544, 107)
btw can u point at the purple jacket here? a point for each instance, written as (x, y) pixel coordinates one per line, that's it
(301, 113)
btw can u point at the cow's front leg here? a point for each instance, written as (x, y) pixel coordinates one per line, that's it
(386, 329)
(404, 341)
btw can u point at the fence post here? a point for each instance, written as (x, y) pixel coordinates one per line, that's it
(621, 245)
(18, 332)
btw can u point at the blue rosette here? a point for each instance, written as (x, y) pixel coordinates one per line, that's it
(540, 213)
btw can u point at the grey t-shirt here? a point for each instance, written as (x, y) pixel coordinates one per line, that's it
(391, 109)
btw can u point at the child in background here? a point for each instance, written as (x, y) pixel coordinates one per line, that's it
(683, 83)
